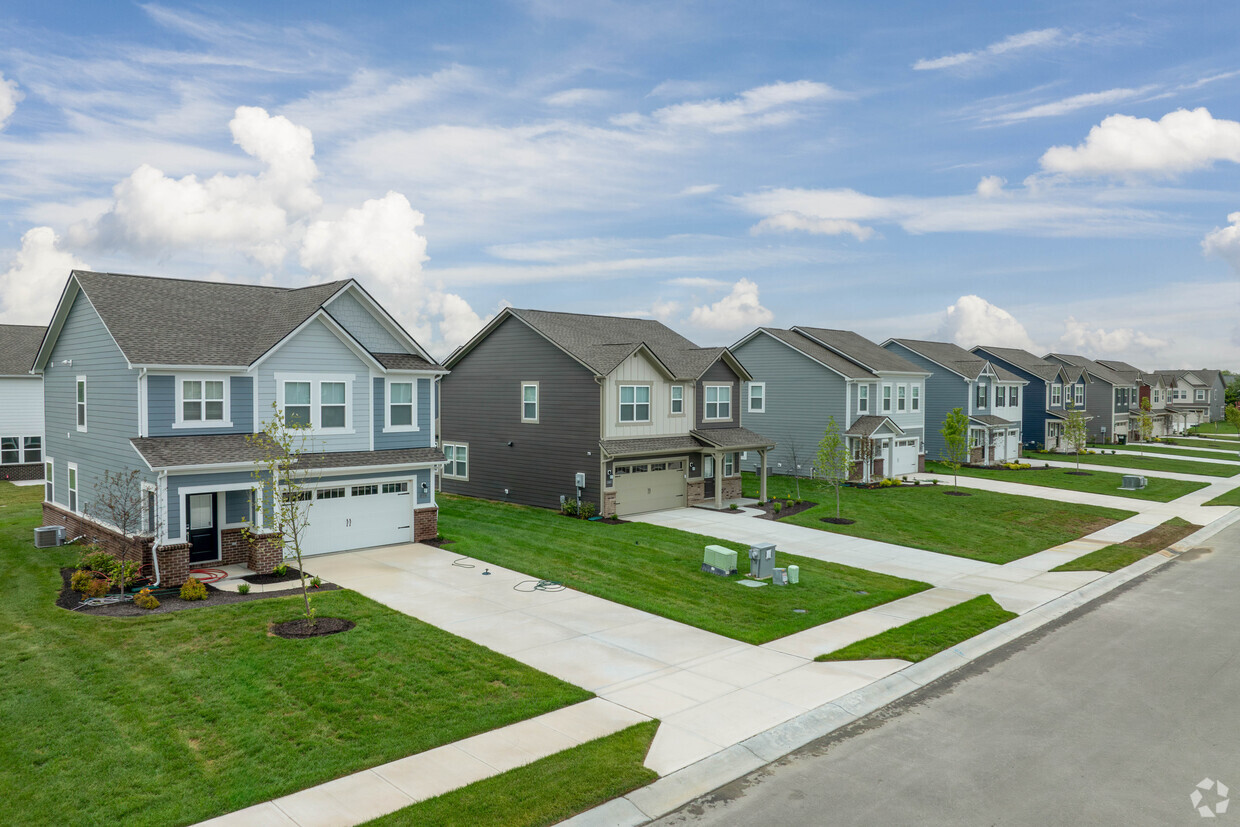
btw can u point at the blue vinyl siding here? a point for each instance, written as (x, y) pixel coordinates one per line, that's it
(237, 508)
(363, 326)
(161, 400)
(176, 482)
(403, 439)
(943, 392)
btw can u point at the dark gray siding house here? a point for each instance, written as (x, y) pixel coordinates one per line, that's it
(538, 402)
(1052, 390)
(1109, 400)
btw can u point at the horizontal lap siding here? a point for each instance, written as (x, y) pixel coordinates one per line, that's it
(481, 406)
(363, 326)
(420, 438)
(111, 405)
(943, 392)
(21, 407)
(801, 396)
(161, 401)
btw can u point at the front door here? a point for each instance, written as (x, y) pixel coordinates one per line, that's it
(708, 475)
(200, 528)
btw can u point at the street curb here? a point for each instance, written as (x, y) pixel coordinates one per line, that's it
(677, 789)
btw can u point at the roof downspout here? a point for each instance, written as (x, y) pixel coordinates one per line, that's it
(161, 484)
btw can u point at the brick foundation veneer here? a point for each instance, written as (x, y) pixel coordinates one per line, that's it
(695, 492)
(977, 455)
(173, 564)
(921, 463)
(609, 503)
(22, 473)
(257, 552)
(732, 488)
(113, 542)
(425, 524)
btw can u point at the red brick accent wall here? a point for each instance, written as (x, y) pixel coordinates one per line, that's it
(21, 473)
(234, 547)
(976, 455)
(425, 524)
(111, 541)
(263, 553)
(878, 468)
(173, 564)
(921, 463)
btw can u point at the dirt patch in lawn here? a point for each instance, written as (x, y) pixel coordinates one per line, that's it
(1078, 473)
(437, 542)
(785, 510)
(302, 627)
(1158, 538)
(170, 602)
(958, 493)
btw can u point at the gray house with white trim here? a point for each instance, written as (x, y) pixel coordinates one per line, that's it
(21, 403)
(169, 376)
(1111, 398)
(1053, 390)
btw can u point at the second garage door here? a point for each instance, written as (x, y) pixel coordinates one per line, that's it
(345, 517)
(642, 487)
(904, 457)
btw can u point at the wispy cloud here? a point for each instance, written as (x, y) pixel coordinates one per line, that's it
(769, 105)
(1071, 104)
(1012, 43)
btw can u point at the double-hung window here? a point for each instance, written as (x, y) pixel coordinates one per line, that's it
(10, 450)
(297, 404)
(81, 403)
(1078, 391)
(202, 401)
(332, 404)
(320, 403)
(886, 399)
(916, 392)
(981, 396)
(73, 487)
(457, 466)
(1000, 397)
(1201, 396)
(718, 402)
(1014, 396)
(729, 464)
(1056, 396)
(901, 400)
(49, 481)
(757, 397)
(634, 403)
(529, 402)
(678, 400)
(863, 398)
(400, 406)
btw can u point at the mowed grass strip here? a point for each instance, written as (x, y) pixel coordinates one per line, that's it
(1159, 489)
(919, 639)
(1231, 497)
(178, 717)
(986, 526)
(545, 792)
(1214, 428)
(1161, 450)
(1119, 555)
(1179, 466)
(658, 570)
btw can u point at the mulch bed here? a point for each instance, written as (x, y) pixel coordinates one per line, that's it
(437, 542)
(1003, 468)
(958, 493)
(837, 520)
(301, 627)
(265, 579)
(172, 602)
(768, 510)
(1078, 473)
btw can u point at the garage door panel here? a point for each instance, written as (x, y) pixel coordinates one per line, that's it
(651, 490)
(344, 517)
(904, 457)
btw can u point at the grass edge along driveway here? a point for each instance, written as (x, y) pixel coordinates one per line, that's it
(1118, 555)
(1231, 497)
(178, 717)
(1159, 489)
(658, 570)
(919, 639)
(1145, 463)
(986, 526)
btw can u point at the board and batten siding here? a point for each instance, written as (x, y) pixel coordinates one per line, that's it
(638, 370)
(717, 374)
(161, 401)
(111, 405)
(420, 438)
(481, 406)
(801, 395)
(353, 316)
(21, 406)
(316, 350)
(943, 392)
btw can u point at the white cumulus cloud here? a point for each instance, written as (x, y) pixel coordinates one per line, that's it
(740, 308)
(1224, 242)
(990, 186)
(1182, 141)
(973, 321)
(457, 321)
(1024, 40)
(10, 96)
(1080, 337)
(32, 285)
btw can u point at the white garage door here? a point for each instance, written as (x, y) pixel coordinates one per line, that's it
(1013, 445)
(904, 457)
(642, 487)
(344, 517)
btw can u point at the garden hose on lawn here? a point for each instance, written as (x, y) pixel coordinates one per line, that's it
(540, 586)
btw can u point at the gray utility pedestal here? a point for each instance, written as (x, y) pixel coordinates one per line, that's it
(1132, 482)
(762, 560)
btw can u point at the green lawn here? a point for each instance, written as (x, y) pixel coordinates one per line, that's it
(658, 570)
(1159, 489)
(1232, 497)
(1219, 427)
(919, 639)
(1179, 466)
(994, 528)
(1222, 437)
(174, 718)
(1219, 443)
(1162, 449)
(1119, 555)
(544, 792)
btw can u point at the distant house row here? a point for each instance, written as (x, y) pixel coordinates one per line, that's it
(167, 377)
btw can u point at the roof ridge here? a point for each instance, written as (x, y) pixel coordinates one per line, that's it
(208, 281)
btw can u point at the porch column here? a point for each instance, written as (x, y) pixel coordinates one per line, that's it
(762, 476)
(718, 480)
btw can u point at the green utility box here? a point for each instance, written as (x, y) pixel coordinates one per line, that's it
(794, 574)
(719, 560)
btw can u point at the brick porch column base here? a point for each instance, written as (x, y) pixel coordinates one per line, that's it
(264, 553)
(173, 564)
(425, 524)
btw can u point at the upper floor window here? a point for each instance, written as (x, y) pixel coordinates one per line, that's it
(718, 402)
(981, 396)
(319, 403)
(757, 397)
(886, 398)
(916, 392)
(1013, 396)
(202, 402)
(81, 403)
(901, 400)
(457, 466)
(1056, 396)
(400, 406)
(634, 403)
(529, 402)
(1201, 395)
(863, 398)
(332, 404)
(1000, 397)
(1078, 391)
(678, 400)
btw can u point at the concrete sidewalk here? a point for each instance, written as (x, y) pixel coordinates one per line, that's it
(1115, 469)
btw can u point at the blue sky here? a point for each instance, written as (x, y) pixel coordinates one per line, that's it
(1060, 178)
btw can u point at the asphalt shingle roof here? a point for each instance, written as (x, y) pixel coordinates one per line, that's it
(867, 425)
(732, 438)
(1025, 360)
(1090, 366)
(649, 445)
(404, 361)
(19, 344)
(956, 358)
(857, 347)
(183, 451)
(1129, 373)
(991, 420)
(817, 352)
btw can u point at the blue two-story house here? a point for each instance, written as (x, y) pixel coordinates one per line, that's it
(990, 395)
(168, 377)
(1052, 391)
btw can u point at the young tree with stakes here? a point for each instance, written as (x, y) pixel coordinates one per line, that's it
(833, 460)
(795, 456)
(1076, 432)
(120, 501)
(283, 444)
(955, 433)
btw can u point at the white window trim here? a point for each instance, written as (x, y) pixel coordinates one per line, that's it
(149, 488)
(388, 427)
(672, 400)
(901, 398)
(915, 397)
(751, 408)
(73, 487)
(620, 403)
(982, 399)
(179, 421)
(729, 465)
(1056, 391)
(1078, 395)
(81, 426)
(49, 479)
(468, 459)
(316, 381)
(1014, 396)
(1001, 396)
(537, 403)
(706, 389)
(887, 399)
(863, 399)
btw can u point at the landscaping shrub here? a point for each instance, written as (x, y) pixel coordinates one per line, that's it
(316, 581)
(243, 588)
(145, 600)
(194, 590)
(777, 506)
(732, 507)
(586, 511)
(281, 569)
(94, 587)
(569, 507)
(96, 559)
(888, 482)
(81, 579)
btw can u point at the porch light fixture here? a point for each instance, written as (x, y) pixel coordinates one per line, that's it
(425, 488)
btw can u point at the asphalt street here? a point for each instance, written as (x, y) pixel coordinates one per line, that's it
(1112, 715)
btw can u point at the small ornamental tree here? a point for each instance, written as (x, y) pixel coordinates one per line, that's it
(833, 460)
(1232, 414)
(1145, 422)
(283, 444)
(796, 458)
(955, 433)
(1076, 432)
(120, 502)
